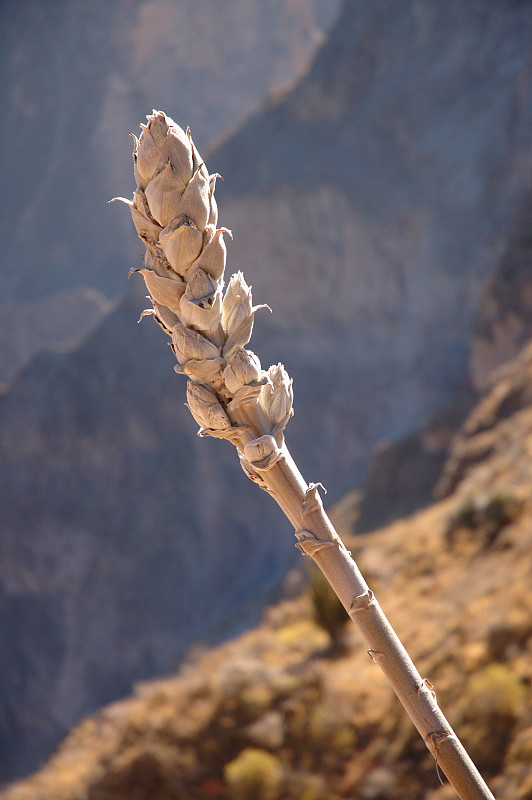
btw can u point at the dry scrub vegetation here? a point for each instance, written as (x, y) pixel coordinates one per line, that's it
(279, 713)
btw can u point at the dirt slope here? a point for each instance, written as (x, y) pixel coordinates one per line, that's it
(278, 713)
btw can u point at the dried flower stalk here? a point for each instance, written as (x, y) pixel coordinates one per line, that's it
(231, 397)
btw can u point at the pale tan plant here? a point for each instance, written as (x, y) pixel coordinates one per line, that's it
(232, 397)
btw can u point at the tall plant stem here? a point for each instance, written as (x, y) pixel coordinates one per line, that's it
(317, 538)
(231, 397)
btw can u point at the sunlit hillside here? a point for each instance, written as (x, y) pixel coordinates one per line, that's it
(286, 712)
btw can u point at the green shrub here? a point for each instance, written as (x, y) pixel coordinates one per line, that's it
(254, 775)
(494, 699)
(495, 692)
(329, 613)
(482, 518)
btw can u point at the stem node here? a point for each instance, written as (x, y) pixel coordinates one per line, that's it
(363, 602)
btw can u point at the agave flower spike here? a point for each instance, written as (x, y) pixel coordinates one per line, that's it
(231, 397)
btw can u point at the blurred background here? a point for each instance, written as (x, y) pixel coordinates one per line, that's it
(377, 165)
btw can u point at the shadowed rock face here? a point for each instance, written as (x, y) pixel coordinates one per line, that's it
(124, 536)
(504, 322)
(372, 204)
(369, 207)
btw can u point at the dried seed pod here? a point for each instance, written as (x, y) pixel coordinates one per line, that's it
(277, 396)
(201, 304)
(246, 399)
(166, 318)
(204, 315)
(238, 313)
(195, 204)
(181, 243)
(141, 204)
(165, 291)
(156, 260)
(243, 368)
(177, 150)
(237, 304)
(208, 371)
(147, 230)
(205, 407)
(240, 337)
(213, 255)
(150, 145)
(164, 193)
(200, 285)
(191, 344)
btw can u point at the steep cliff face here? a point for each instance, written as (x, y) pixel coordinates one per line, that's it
(508, 400)
(372, 204)
(504, 322)
(278, 713)
(124, 536)
(76, 78)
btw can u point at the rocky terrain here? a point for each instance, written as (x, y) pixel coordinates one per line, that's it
(123, 533)
(278, 713)
(504, 322)
(379, 207)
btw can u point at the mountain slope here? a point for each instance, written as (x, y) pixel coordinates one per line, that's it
(372, 204)
(274, 714)
(123, 533)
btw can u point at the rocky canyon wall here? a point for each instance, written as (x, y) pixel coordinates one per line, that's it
(372, 207)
